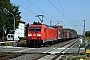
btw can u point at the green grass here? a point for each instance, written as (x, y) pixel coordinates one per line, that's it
(77, 57)
(88, 39)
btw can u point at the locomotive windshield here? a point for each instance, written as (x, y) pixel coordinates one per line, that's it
(34, 29)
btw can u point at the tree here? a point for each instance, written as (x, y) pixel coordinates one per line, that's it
(72, 30)
(26, 29)
(10, 24)
(87, 33)
(6, 19)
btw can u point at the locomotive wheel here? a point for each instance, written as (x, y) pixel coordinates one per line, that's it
(27, 44)
(39, 46)
(45, 44)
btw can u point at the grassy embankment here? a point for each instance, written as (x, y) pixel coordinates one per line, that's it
(88, 39)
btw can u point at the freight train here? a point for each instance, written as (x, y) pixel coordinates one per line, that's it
(40, 34)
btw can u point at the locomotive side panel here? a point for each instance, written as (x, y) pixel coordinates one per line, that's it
(54, 34)
(51, 34)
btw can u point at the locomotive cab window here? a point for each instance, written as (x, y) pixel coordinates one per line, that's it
(31, 29)
(34, 29)
(37, 29)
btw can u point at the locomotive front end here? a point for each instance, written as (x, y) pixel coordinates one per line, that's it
(34, 36)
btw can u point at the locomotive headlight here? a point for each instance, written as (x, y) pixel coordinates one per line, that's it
(38, 34)
(29, 34)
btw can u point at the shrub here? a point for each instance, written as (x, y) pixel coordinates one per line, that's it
(22, 38)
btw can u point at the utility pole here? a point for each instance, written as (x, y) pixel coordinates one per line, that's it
(50, 23)
(85, 44)
(84, 29)
(6, 11)
(3, 32)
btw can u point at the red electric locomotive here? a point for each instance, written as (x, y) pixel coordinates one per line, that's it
(38, 34)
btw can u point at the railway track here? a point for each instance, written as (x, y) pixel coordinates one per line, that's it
(8, 55)
(61, 44)
(50, 54)
(57, 56)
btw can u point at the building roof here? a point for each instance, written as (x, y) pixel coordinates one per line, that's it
(21, 21)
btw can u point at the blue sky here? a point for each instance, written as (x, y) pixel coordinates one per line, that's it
(70, 12)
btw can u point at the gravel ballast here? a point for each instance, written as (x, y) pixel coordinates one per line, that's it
(26, 57)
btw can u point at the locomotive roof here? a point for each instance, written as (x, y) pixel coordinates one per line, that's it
(35, 25)
(39, 25)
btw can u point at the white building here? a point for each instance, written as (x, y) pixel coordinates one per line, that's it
(19, 32)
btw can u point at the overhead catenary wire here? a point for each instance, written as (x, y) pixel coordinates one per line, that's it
(47, 13)
(42, 10)
(64, 10)
(33, 11)
(58, 9)
(26, 9)
(67, 13)
(63, 14)
(29, 10)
